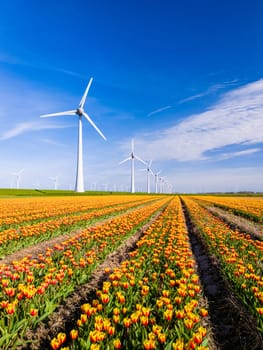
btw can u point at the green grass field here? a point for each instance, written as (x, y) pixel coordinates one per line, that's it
(10, 192)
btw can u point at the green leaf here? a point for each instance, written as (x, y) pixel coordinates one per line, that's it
(205, 342)
(169, 346)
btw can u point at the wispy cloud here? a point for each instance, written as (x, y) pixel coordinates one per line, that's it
(209, 91)
(239, 153)
(22, 128)
(158, 110)
(7, 59)
(236, 119)
(52, 142)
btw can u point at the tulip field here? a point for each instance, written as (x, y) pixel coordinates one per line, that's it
(119, 272)
(250, 207)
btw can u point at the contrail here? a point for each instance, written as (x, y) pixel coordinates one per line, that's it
(158, 110)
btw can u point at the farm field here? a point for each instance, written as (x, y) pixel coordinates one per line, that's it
(129, 272)
(249, 207)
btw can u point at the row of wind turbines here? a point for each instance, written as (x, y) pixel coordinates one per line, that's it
(18, 179)
(158, 180)
(80, 113)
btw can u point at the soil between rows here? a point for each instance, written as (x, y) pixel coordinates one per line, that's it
(236, 222)
(233, 326)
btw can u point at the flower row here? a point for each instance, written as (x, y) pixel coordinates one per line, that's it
(241, 257)
(16, 210)
(13, 239)
(251, 207)
(151, 301)
(33, 287)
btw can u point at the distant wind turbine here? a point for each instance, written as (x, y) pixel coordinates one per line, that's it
(18, 177)
(156, 181)
(149, 172)
(79, 187)
(37, 185)
(55, 180)
(162, 182)
(132, 157)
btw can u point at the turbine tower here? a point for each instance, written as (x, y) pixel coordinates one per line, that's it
(156, 181)
(132, 157)
(161, 184)
(79, 187)
(18, 177)
(55, 180)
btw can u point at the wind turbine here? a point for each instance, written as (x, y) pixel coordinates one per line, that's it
(132, 157)
(162, 183)
(149, 171)
(79, 187)
(18, 177)
(55, 180)
(37, 185)
(156, 181)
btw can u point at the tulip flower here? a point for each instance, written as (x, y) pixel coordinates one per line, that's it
(33, 312)
(74, 334)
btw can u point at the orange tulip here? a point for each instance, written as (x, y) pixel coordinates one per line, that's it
(117, 343)
(74, 334)
(33, 312)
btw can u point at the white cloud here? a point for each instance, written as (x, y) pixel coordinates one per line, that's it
(240, 153)
(210, 90)
(21, 128)
(52, 142)
(237, 119)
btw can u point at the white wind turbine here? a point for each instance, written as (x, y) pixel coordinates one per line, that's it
(149, 172)
(18, 177)
(55, 180)
(132, 157)
(162, 182)
(37, 185)
(156, 181)
(79, 187)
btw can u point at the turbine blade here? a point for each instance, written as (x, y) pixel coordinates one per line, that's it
(125, 160)
(83, 99)
(94, 126)
(72, 112)
(140, 160)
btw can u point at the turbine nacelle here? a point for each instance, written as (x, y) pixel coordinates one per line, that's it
(80, 111)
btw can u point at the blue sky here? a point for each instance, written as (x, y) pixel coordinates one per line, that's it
(183, 78)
